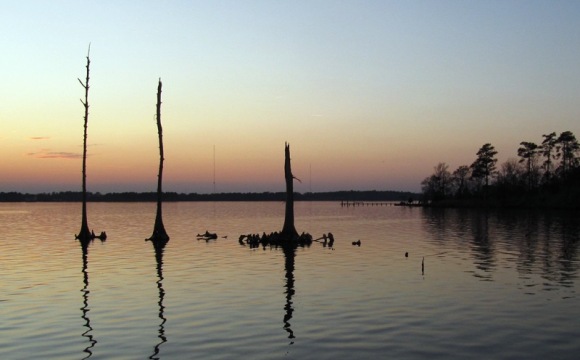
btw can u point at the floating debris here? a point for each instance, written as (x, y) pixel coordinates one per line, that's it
(207, 236)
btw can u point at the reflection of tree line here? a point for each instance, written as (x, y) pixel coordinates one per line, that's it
(543, 241)
(482, 246)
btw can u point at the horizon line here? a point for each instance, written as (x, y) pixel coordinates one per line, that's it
(198, 193)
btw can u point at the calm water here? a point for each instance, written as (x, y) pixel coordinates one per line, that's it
(495, 284)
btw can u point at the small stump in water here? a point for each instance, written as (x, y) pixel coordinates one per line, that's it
(91, 236)
(275, 239)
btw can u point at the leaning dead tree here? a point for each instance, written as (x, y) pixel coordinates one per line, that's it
(84, 234)
(289, 230)
(159, 233)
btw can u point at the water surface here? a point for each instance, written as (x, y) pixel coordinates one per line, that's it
(493, 285)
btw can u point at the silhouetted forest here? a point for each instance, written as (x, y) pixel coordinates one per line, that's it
(76, 196)
(545, 174)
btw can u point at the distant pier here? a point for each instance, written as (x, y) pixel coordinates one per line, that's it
(366, 203)
(378, 203)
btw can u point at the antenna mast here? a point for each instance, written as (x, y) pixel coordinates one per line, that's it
(310, 176)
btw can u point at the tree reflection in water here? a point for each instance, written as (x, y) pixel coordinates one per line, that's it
(541, 242)
(85, 308)
(289, 255)
(159, 246)
(483, 249)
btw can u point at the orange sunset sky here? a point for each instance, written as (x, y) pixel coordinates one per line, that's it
(369, 94)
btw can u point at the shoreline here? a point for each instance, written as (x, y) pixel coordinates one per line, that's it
(345, 196)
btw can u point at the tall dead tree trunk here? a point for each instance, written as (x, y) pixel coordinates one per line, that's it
(159, 233)
(289, 230)
(84, 233)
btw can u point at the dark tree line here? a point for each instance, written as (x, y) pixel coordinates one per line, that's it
(544, 174)
(76, 196)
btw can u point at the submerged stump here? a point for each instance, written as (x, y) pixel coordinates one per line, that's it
(289, 230)
(288, 238)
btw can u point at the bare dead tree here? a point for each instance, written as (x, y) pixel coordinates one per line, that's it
(289, 230)
(84, 233)
(159, 233)
(288, 238)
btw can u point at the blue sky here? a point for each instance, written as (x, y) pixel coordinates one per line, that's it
(370, 94)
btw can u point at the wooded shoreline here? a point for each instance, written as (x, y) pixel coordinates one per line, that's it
(352, 198)
(76, 196)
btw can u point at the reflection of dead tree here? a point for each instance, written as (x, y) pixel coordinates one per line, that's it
(159, 233)
(159, 247)
(84, 233)
(86, 309)
(289, 255)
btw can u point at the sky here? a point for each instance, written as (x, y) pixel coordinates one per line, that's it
(370, 95)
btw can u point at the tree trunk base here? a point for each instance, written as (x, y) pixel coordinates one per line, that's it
(159, 237)
(87, 236)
